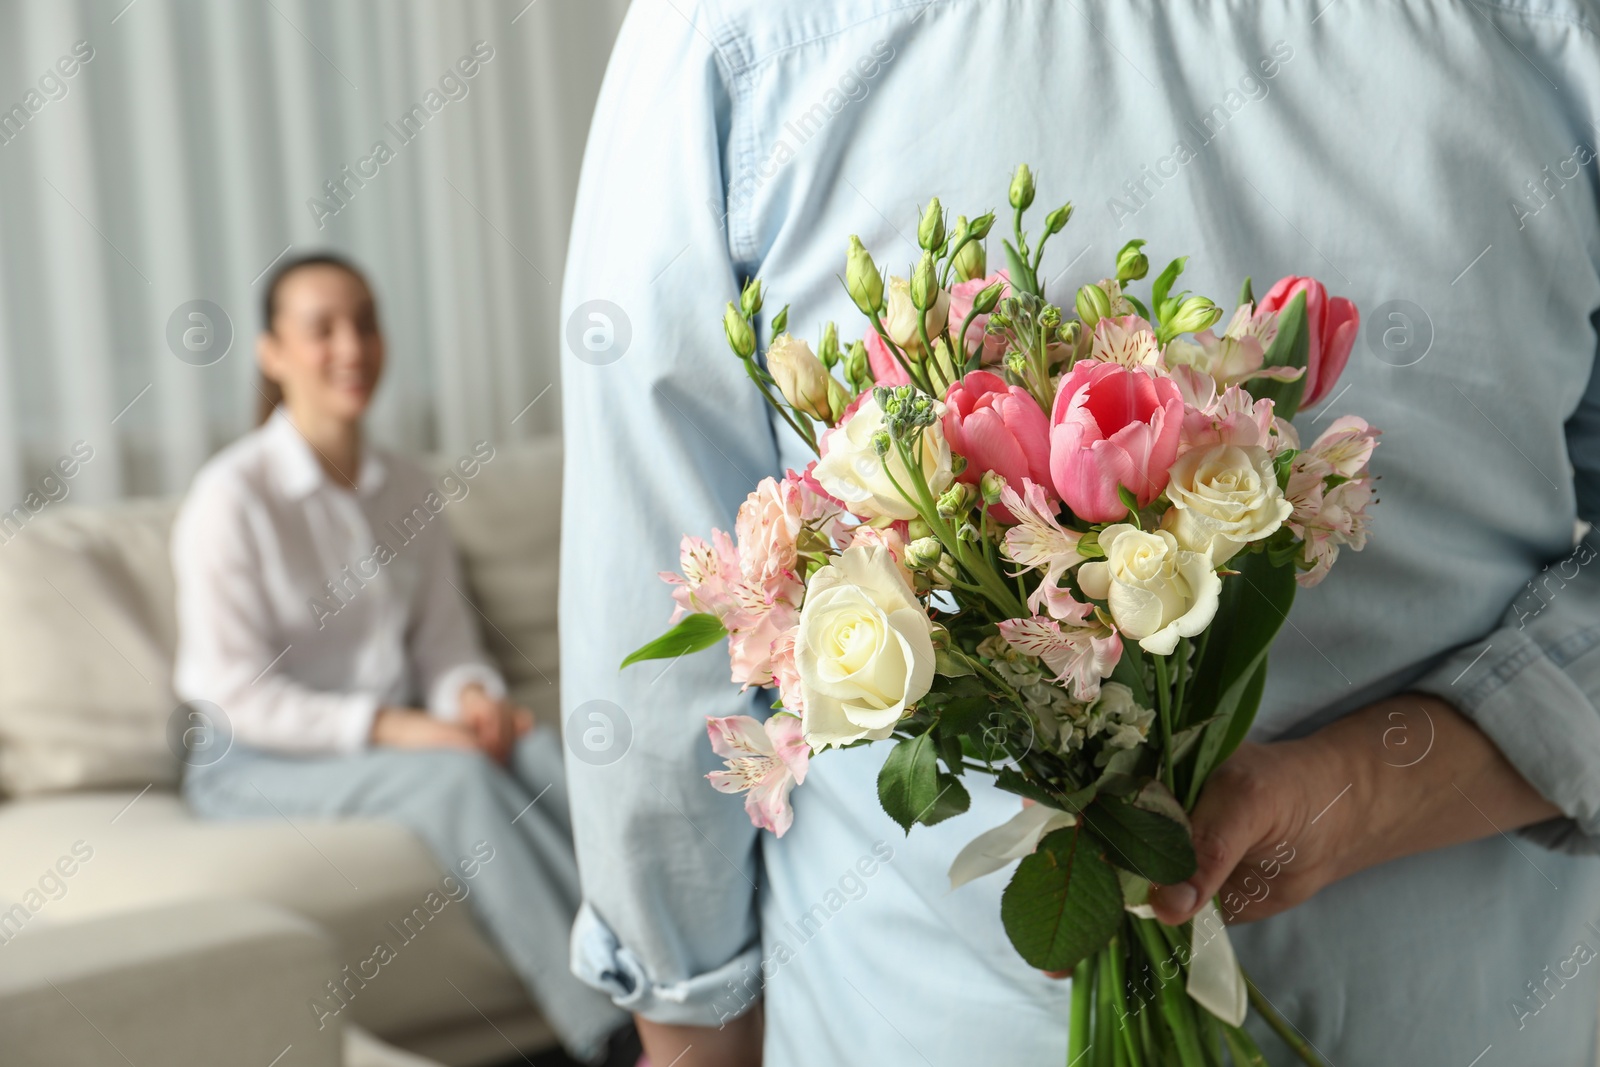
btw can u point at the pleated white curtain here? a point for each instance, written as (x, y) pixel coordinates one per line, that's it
(175, 163)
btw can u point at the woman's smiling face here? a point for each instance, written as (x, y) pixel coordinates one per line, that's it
(324, 347)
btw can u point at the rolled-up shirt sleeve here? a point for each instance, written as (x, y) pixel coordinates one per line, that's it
(1533, 684)
(664, 436)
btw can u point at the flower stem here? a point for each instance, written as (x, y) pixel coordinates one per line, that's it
(1280, 1026)
(1164, 709)
(1078, 1021)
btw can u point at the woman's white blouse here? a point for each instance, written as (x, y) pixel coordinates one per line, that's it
(304, 606)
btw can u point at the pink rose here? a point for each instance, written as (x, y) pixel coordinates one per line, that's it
(1331, 326)
(997, 427)
(962, 296)
(1112, 426)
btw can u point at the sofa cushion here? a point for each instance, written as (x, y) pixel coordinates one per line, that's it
(88, 628)
(86, 644)
(508, 531)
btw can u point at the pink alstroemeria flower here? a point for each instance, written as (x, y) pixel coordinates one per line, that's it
(1038, 541)
(1082, 652)
(764, 762)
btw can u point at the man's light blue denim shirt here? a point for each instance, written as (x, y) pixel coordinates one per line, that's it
(1433, 160)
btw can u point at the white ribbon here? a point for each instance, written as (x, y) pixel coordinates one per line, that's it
(1215, 981)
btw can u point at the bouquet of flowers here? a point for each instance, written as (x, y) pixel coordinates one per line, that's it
(1047, 545)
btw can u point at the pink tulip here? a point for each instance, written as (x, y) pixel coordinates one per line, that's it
(997, 427)
(1331, 325)
(1112, 426)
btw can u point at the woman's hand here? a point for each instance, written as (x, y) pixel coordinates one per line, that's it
(1278, 822)
(495, 724)
(415, 728)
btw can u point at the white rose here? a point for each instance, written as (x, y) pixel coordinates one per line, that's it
(864, 651)
(1224, 497)
(900, 317)
(852, 471)
(1157, 590)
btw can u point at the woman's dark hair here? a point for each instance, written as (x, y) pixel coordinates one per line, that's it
(270, 394)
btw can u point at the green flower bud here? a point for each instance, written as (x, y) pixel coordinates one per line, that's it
(1016, 362)
(986, 299)
(972, 261)
(880, 442)
(750, 299)
(1050, 317)
(1021, 194)
(923, 553)
(930, 231)
(740, 337)
(982, 224)
(780, 321)
(968, 533)
(1195, 313)
(1131, 263)
(956, 500)
(828, 350)
(838, 400)
(862, 280)
(1093, 305)
(924, 284)
(857, 369)
(990, 486)
(1057, 220)
(918, 528)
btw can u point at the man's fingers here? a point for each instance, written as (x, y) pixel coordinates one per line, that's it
(1228, 821)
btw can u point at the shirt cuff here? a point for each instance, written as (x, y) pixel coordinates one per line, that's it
(708, 999)
(1532, 701)
(354, 730)
(444, 699)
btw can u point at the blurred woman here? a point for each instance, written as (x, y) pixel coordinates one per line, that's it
(320, 607)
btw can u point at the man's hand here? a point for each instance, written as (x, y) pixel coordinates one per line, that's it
(495, 724)
(1277, 822)
(737, 1043)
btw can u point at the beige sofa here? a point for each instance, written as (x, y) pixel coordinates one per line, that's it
(89, 782)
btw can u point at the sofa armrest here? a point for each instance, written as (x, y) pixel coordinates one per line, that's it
(190, 985)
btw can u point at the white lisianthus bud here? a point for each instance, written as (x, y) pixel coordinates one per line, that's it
(901, 320)
(737, 328)
(801, 377)
(1157, 590)
(1021, 194)
(862, 280)
(930, 231)
(1223, 498)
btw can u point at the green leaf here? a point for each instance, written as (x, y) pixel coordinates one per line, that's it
(1246, 294)
(1130, 672)
(1151, 844)
(1250, 610)
(1022, 279)
(1130, 502)
(952, 753)
(1063, 904)
(908, 784)
(1138, 305)
(1163, 283)
(692, 633)
(1014, 781)
(1291, 348)
(964, 715)
(952, 799)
